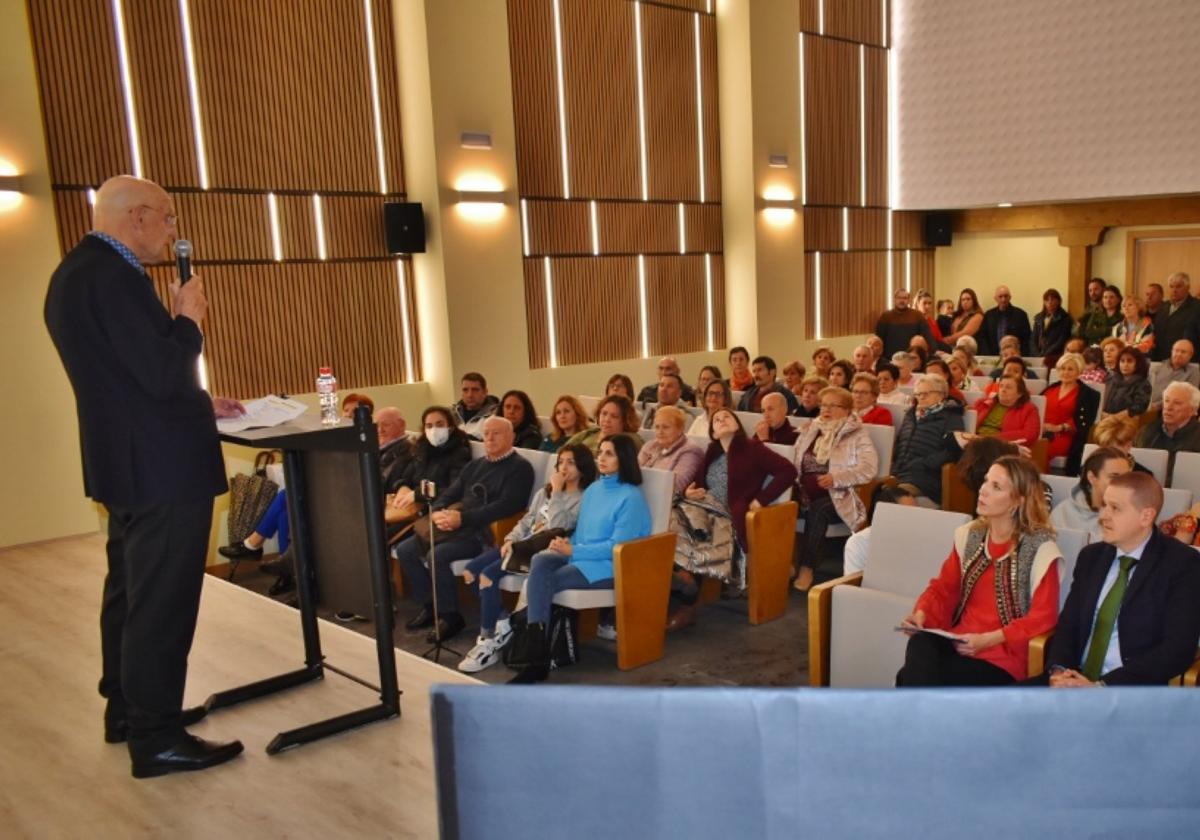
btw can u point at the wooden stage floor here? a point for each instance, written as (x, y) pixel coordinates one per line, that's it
(59, 779)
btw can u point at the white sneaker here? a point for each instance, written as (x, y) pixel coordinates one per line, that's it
(607, 632)
(485, 654)
(503, 631)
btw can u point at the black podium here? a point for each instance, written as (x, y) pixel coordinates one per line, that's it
(334, 470)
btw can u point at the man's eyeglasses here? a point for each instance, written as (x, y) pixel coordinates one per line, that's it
(170, 218)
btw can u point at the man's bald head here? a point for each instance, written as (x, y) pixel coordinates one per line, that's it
(498, 436)
(139, 214)
(390, 423)
(774, 409)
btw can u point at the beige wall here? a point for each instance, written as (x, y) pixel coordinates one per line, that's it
(1108, 258)
(1027, 262)
(42, 492)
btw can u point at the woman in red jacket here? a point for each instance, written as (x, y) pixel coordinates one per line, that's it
(864, 389)
(1009, 413)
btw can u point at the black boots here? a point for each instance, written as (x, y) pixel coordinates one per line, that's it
(538, 668)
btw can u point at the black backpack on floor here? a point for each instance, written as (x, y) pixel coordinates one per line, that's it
(564, 639)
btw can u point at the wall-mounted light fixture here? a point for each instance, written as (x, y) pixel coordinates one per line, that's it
(476, 140)
(778, 205)
(481, 197)
(777, 161)
(12, 186)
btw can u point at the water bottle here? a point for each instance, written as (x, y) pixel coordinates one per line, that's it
(327, 394)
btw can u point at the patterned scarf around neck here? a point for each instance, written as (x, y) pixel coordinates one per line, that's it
(826, 431)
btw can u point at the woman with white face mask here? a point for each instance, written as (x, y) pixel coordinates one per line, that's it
(442, 451)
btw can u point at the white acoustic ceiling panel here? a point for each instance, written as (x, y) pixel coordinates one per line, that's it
(1044, 100)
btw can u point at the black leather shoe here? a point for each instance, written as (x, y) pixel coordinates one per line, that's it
(450, 626)
(115, 732)
(239, 551)
(189, 753)
(286, 582)
(282, 564)
(421, 620)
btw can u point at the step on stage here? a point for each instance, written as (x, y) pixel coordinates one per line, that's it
(60, 779)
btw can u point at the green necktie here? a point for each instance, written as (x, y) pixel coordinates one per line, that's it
(1105, 619)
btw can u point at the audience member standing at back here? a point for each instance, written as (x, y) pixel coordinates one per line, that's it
(1051, 329)
(898, 325)
(1178, 317)
(967, 320)
(1001, 320)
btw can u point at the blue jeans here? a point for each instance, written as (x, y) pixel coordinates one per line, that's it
(491, 607)
(275, 520)
(411, 554)
(550, 573)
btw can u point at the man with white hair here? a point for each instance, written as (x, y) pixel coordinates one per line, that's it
(875, 344)
(1178, 368)
(489, 488)
(1179, 316)
(863, 359)
(151, 456)
(395, 449)
(968, 343)
(1001, 320)
(1177, 429)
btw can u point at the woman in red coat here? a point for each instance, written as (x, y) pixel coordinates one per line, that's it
(864, 389)
(1009, 413)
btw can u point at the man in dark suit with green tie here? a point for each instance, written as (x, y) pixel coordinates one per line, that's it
(1133, 613)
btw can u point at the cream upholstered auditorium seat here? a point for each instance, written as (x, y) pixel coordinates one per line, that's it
(851, 640)
(1154, 460)
(1187, 472)
(1175, 500)
(883, 438)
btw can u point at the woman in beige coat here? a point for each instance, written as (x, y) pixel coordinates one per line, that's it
(833, 456)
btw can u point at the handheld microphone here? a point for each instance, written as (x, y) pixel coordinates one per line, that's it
(183, 259)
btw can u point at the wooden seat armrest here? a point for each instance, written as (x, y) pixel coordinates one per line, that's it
(771, 537)
(820, 599)
(1037, 653)
(642, 590)
(1192, 675)
(501, 527)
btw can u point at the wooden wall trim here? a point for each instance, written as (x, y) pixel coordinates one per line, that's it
(1169, 210)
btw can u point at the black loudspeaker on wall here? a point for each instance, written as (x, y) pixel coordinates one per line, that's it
(937, 229)
(404, 223)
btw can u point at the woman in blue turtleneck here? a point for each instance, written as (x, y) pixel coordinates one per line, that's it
(613, 511)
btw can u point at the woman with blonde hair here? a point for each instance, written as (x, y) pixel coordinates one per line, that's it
(568, 419)
(996, 591)
(1135, 328)
(1070, 411)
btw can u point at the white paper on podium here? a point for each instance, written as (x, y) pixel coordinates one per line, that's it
(264, 413)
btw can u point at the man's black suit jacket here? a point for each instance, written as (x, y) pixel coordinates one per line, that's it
(146, 428)
(1017, 325)
(1159, 622)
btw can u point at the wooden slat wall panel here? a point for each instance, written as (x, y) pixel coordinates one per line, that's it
(908, 229)
(675, 304)
(389, 93)
(849, 281)
(74, 217)
(602, 131)
(720, 330)
(822, 229)
(160, 92)
(535, 108)
(868, 228)
(855, 20)
(704, 230)
(831, 91)
(877, 127)
(535, 312)
(354, 226)
(596, 309)
(686, 5)
(712, 121)
(638, 228)
(225, 226)
(76, 57)
(809, 16)
(559, 227)
(669, 61)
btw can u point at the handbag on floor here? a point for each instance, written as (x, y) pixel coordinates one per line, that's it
(563, 630)
(250, 496)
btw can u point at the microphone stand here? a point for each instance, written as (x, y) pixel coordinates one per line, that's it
(438, 644)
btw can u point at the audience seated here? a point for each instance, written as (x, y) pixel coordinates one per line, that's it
(670, 393)
(1011, 363)
(517, 408)
(1184, 527)
(440, 455)
(670, 449)
(666, 365)
(1134, 328)
(1177, 368)
(763, 370)
(1150, 580)
(919, 350)
(1009, 413)
(936, 367)
(864, 390)
(475, 406)
(822, 359)
(862, 359)
(1128, 391)
(774, 426)
(620, 385)
(968, 345)
(395, 447)
(996, 591)
(740, 378)
(1178, 317)
(905, 363)
(898, 325)
(888, 377)
(1051, 329)
(960, 373)
(875, 343)
(708, 373)
(833, 456)
(717, 395)
(810, 396)
(614, 416)
(553, 513)
(921, 442)
(967, 320)
(840, 374)
(1070, 413)
(1093, 366)
(1003, 319)
(1177, 429)
(493, 487)
(1119, 433)
(612, 511)
(569, 418)
(1081, 511)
